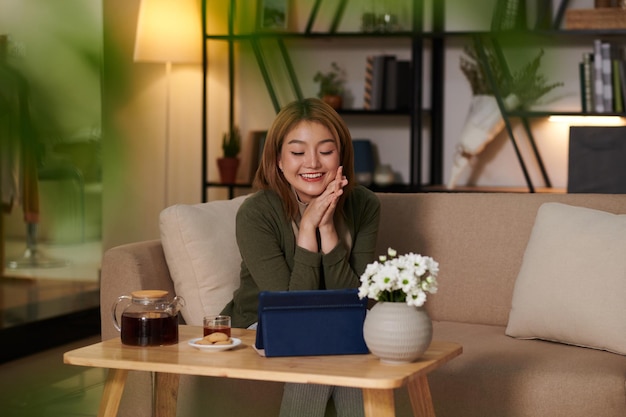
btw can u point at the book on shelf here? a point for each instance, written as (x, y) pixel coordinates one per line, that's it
(390, 97)
(621, 64)
(387, 83)
(618, 99)
(374, 82)
(603, 78)
(404, 81)
(607, 80)
(598, 85)
(586, 84)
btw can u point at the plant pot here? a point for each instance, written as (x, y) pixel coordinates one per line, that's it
(396, 332)
(228, 169)
(334, 101)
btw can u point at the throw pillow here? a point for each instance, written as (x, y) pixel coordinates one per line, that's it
(571, 287)
(202, 255)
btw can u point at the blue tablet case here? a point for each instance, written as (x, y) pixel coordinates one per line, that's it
(316, 322)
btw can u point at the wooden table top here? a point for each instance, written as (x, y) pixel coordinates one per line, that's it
(243, 362)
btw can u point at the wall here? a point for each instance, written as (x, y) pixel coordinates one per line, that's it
(134, 133)
(134, 110)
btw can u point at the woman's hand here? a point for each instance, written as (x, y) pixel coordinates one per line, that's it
(319, 215)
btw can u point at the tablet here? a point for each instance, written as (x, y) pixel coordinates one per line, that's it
(313, 322)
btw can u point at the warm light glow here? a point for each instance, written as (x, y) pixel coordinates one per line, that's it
(588, 120)
(169, 31)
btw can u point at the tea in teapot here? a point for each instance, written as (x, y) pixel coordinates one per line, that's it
(148, 318)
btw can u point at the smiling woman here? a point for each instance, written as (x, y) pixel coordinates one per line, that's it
(309, 227)
(309, 160)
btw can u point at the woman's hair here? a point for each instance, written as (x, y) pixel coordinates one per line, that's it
(269, 176)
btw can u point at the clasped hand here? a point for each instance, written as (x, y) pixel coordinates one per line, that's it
(319, 214)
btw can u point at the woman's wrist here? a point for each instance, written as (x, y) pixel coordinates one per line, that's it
(329, 238)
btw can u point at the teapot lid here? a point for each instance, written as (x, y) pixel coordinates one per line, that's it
(149, 294)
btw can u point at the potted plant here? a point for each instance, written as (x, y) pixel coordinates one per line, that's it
(331, 85)
(484, 121)
(397, 329)
(229, 163)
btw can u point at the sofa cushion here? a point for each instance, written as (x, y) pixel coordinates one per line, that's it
(572, 283)
(202, 255)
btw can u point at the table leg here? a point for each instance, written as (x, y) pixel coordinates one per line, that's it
(166, 394)
(378, 402)
(421, 401)
(112, 394)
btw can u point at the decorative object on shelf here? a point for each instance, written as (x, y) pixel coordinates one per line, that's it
(363, 161)
(229, 163)
(543, 14)
(600, 18)
(509, 15)
(383, 18)
(273, 14)
(384, 176)
(484, 121)
(605, 3)
(397, 329)
(332, 85)
(368, 22)
(596, 160)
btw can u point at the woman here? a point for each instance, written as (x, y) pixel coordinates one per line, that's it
(308, 227)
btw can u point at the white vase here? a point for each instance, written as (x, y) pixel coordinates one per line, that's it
(396, 332)
(483, 123)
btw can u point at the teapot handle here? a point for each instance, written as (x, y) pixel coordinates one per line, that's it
(114, 311)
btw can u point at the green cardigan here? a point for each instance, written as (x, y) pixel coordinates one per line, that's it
(271, 260)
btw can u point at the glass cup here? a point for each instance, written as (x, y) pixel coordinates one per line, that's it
(217, 324)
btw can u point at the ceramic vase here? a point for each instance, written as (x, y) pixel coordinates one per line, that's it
(484, 122)
(396, 332)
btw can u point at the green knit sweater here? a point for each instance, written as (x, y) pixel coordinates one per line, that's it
(271, 260)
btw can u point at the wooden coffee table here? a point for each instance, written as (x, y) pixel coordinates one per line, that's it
(377, 380)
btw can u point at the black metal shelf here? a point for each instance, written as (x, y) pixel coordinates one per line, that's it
(415, 113)
(436, 38)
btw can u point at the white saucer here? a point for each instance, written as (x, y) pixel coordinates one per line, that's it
(214, 348)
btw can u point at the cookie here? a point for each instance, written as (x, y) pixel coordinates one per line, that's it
(216, 337)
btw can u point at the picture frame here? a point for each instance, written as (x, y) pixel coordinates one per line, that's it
(272, 15)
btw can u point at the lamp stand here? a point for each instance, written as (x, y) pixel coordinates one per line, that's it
(33, 257)
(166, 145)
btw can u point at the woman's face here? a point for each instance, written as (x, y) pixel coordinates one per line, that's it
(309, 159)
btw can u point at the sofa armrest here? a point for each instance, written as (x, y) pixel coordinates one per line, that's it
(127, 268)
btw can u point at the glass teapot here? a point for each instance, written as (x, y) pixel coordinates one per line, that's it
(148, 318)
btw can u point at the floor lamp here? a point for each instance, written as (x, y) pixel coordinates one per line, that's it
(168, 31)
(13, 87)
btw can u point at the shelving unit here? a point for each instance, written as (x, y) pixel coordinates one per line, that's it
(435, 40)
(415, 114)
(524, 116)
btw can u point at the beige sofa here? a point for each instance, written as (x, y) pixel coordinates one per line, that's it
(480, 241)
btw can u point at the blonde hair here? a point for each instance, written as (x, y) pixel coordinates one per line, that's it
(269, 176)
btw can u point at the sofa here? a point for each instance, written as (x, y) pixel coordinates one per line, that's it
(532, 286)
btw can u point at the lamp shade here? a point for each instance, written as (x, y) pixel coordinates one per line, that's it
(169, 31)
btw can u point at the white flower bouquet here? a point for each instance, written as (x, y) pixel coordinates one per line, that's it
(406, 278)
